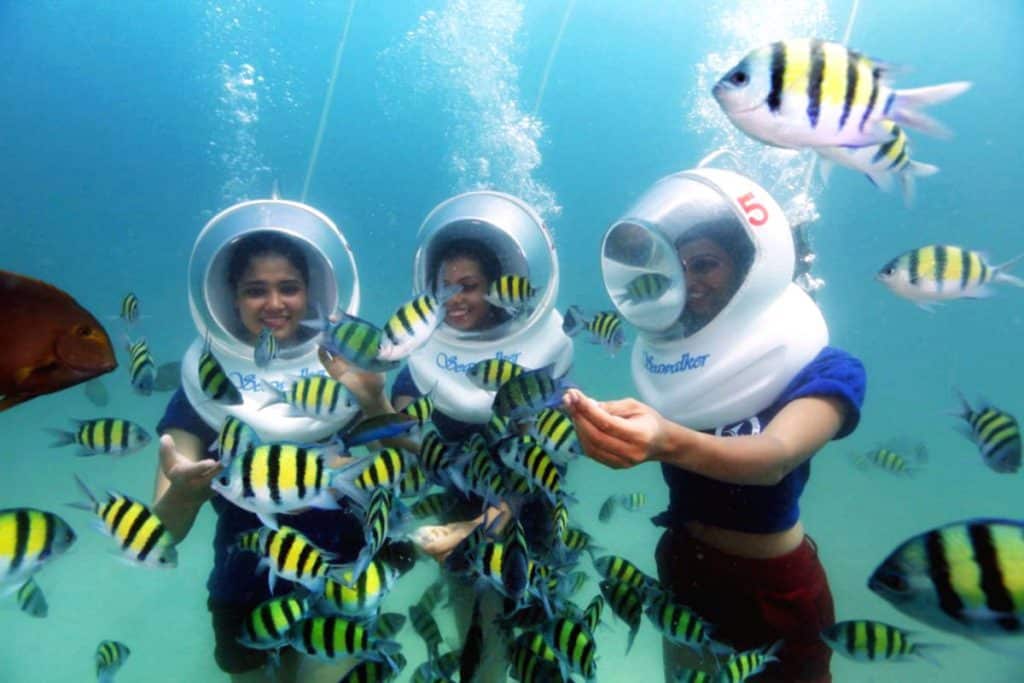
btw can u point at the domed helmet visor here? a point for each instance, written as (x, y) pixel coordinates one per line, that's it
(677, 262)
(306, 238)
(471, 242)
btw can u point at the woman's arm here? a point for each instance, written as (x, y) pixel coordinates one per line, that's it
(182, 481)
(626, 433)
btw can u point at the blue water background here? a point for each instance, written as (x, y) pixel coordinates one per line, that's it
(119, 139)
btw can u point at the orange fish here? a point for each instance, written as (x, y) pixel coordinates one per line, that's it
(48, 342)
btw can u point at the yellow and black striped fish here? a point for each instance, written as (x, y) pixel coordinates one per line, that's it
(422, 409)
(234, 439)
(214, 382)
(605, 327)
(941, 272)
(411, 326)
(289, 554)
(529, 667)
(965, 578)
(359, 597)
(376, 527)
(880, 163)
(277, 478)
(630, 501)
(740, 666)
(529, 393)
(811, 93)
(330, 638)
(995, 433)
(898, 456)
(555, 432)
(142, 537)
(575, 646)
(376, 670)
(29, 539)
(31, 599)
(426, 628)
(514, 293)
(108, 435)
(141, 367)
(130, 308)
(618, 568)
(110, 657)
(535, 464)
(627, 603)
(357, 341)
(873, 641)
(268, 626)
(677, 623)
(490, 374)
(315, 396)
(644, 288)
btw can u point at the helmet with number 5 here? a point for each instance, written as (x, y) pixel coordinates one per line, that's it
(702, 264)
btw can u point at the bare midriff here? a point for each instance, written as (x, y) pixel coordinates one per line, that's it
(746, 544)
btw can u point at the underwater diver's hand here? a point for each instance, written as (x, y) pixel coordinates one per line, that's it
(366, 387)
(439, 541)
(619, 434)
(189, 478)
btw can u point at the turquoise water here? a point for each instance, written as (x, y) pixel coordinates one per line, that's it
(126, 127)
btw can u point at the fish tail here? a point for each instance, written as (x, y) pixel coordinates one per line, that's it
(907, 106)
(90, 506)
(925, 651)
(1002, 276)
(573, 321)
(64, 437)
(915, 169)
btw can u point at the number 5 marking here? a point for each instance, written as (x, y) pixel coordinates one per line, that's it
(757, 215)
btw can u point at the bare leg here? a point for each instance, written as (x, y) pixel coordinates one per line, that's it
(493, 659)
(311, 670)
(676, 657)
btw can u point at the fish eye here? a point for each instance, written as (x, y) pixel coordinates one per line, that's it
(85, 331)
(738, 78)
(894, 581)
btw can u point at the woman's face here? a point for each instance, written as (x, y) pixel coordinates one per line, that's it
(468, 310)
(710, 277)
(271, 293)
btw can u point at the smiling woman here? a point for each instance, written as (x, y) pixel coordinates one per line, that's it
(270, 279)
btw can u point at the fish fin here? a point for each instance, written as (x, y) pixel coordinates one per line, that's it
(572, 322)
(921, 170)
(925, 650)
(907, 106)
(825, 167)
(268, 519)
(1003, 276)
(882, 180)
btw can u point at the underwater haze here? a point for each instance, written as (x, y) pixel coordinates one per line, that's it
(127, 126)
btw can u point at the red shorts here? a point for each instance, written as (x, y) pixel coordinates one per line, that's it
(752, 603)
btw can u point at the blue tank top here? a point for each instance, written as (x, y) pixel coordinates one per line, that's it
(765, 509)
(235, 578)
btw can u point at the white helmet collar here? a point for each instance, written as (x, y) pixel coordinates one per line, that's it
(329, 260)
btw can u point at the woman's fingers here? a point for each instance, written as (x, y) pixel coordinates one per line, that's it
(603, 421)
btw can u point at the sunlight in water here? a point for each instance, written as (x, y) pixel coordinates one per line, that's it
(464, 51)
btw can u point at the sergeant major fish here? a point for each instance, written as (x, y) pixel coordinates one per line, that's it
(109, 435)
(30, 539)
(605, 327)
(942, 272)
(266, 348)
(142, 537)
(880, 163)
(411, 326)
(811, 93)
(965, 578)
(995, 433)
(141, 367)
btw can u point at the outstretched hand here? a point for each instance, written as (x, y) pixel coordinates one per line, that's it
(367, 387)
(190, 477)
(619, 434)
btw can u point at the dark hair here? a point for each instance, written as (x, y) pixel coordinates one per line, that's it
(265, 244)
(490, 267)
(728, 235)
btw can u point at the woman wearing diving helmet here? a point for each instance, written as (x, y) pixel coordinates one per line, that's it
(738, 389)
(257, 270)
(467, 244)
